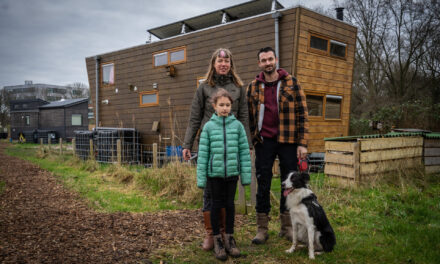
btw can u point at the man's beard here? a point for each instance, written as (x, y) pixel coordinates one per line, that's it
(270, 71)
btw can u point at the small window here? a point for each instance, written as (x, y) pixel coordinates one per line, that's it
(169, 57)
(76, 120)
(337, 48)
(161, 59)
(333, 107)
(327, 46)
(108, 74)
(318, 43)
(150, 98)
(28, 120)
(314, 104)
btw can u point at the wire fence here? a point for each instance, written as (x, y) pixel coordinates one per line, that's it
(122, 145)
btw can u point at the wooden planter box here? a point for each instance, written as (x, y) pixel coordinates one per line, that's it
(431, 155)
(360, 160)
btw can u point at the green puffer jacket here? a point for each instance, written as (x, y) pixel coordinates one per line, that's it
(223, 151)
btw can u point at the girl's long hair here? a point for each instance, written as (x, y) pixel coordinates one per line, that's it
(211, 70)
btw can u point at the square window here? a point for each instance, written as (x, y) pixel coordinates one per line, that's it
(337, 48)
(314, 104)
(161, 59)
(333, 107)
(178, 55)
(318, 43)
(108, 74)
(76, 120)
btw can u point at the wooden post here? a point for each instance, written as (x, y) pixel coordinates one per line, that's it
(41, 142)
(241, 206)
(74, 146)
(356, 165)
(91, 156)
(119, 151)
(155, 155)
(61, 147)
(48, 142)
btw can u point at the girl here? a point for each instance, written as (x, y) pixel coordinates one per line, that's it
(223, 155)
(221, 74)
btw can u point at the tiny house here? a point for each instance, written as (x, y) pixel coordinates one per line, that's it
(29, 117)
(150, 87)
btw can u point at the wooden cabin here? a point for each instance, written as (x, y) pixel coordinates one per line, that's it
(150, 87)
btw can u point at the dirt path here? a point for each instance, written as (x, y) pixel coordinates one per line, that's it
(42, 222)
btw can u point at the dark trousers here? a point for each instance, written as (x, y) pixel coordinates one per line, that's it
(265, 154)
(222, 196)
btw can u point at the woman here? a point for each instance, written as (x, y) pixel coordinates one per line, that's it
(221, 74)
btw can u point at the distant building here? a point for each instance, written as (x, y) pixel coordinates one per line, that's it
(29, 117)
(46, 92)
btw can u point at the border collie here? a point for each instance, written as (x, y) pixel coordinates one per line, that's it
(309, 222)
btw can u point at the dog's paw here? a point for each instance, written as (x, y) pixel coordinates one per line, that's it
(290, 250)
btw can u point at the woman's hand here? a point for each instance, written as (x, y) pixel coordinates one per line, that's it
(186, 154)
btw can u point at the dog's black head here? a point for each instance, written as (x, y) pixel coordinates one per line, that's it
(295, 180)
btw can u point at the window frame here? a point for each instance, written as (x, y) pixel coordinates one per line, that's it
(148, 104)
(329, 41)
(81, 119)
(101, 74)
(168, 52)
(324, 105)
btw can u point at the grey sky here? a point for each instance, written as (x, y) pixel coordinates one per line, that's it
(47, 41)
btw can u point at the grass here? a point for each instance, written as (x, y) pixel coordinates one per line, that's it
(395, 220)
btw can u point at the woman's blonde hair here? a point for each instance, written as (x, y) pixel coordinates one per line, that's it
(225, 53)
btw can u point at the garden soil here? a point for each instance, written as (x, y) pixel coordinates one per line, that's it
(43, 222)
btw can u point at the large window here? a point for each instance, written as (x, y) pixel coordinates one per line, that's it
(108, 74)
(324, 106)
(76, 120)
(327, 46)
(169, 57)
(150, 98)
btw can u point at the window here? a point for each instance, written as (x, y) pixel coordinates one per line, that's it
(333, 107)
(27, 120)
(108, 74)
(321, 105)
(169, 57)
(318, 43)
(327, 46)
(76, 120)
(314, 104)
(150, 98)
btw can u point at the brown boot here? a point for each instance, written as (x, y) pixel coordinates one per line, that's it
(262, 223)
(286, 226)
(208, 242)
(231, 246)
(219, 248)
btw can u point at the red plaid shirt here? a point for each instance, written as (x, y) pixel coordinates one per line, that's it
(292, 108)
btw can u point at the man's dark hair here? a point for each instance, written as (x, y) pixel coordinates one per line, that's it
(266, 49)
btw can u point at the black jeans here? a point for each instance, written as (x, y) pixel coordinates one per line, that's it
(265, 154)
(222, 196)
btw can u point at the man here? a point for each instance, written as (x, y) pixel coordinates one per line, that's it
(279, 127)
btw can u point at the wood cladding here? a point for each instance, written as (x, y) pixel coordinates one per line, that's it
(244, 38)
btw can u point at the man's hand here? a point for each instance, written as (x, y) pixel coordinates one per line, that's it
(186, 154)
(301, 152)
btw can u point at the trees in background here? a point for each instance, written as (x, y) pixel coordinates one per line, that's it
(397, 69)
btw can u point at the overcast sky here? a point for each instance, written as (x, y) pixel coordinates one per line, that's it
(47, 41)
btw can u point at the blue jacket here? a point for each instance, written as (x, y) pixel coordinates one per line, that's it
(223, 151)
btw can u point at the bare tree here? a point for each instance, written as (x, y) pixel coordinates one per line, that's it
(78, 90)
(4, 109)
